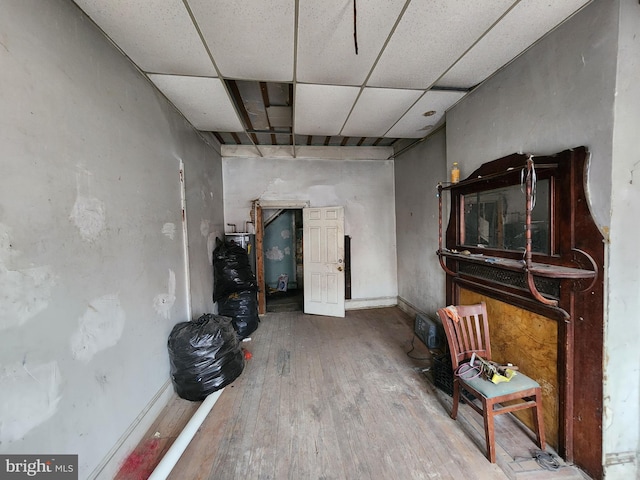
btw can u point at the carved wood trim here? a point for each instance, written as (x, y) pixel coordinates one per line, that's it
(576, 261)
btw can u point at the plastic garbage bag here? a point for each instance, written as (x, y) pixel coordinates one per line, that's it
(242, 308)
(231, 270)
(205, 356)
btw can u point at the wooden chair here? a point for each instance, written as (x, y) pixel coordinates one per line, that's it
(467, 330)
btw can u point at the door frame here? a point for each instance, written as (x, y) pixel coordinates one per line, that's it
(258, 206)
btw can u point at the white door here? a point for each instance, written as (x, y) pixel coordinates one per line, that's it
(323, 258)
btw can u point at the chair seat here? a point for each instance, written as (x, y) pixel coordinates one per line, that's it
(467, 330)
(492, 390)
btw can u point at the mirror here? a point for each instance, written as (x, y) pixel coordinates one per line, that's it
(496, 218)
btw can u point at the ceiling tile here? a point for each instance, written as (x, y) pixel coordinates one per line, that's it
(203, 101)
(431, 36)
(322, 109)
(158, 35)
(415, 124)
(377, 110)
(251, 39)
(508, 39)
(326, 47)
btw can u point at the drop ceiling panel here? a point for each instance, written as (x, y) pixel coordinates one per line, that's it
(508, 39)
(377, 110)
(203, 101)
(326, 47)
(158, 35)
(415, 124)
(322, 109)
(249, 39)
(431, 36)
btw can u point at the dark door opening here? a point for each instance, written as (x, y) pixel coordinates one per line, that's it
(282, 256)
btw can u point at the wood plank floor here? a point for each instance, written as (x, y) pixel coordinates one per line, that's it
(331, 398)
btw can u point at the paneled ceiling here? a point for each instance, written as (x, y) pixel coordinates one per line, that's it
(322, 72)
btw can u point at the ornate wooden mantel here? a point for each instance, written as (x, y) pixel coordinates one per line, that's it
(564, 284)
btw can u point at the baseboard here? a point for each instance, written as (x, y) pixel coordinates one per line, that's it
(408, 308)
(109, 466)
(621, 465)
(379, 302)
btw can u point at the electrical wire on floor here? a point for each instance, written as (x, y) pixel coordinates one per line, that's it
(413, 347)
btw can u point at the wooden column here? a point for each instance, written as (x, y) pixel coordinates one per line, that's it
(262, 297)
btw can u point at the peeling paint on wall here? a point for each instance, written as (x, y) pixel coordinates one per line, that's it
(211, 241)
(169, 230)
(204, 227)
(275, 254)
(88, 216)
(100, 327)
(23, 292)
(30, 396)
(88, 213)
(163, 302)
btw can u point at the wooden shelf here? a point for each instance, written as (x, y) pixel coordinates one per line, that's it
(538, 269)
(476, 178)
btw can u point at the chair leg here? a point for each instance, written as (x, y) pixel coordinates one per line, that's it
(456, 398)
(489, 430)
(538, 421)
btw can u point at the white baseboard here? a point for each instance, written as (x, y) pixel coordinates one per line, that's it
(109, 466)
(379, 302)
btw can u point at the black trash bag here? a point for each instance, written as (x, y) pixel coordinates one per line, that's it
(205, 356)
(231, 270)
(242, 308)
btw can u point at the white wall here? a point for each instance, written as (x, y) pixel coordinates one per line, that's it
(563, 93)
(364, 187)
(622, 366)
(417, 173)
(92, 274)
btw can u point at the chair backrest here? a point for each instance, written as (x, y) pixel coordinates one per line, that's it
(467, 330)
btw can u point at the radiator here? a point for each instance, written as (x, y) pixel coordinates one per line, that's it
(430, 331)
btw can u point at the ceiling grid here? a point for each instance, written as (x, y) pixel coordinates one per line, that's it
(287, 72)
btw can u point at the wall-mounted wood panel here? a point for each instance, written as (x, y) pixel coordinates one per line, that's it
(529, 341)
(565, 286)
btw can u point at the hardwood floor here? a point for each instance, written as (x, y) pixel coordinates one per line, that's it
(338, 398)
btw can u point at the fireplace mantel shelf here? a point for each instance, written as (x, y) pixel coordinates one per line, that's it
(538, 269)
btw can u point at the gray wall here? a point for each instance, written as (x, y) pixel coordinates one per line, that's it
(417, 173)
(205, 221)
(364, 187)
(622, 366)
(558, 95)
(92, 270)
(565, 92)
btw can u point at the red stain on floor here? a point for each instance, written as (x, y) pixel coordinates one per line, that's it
(142, 461)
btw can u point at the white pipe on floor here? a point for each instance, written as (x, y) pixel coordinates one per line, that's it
(162, 471)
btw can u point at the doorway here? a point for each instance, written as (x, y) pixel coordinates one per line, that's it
(282, 257)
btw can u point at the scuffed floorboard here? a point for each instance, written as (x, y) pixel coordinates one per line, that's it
(338, 398)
